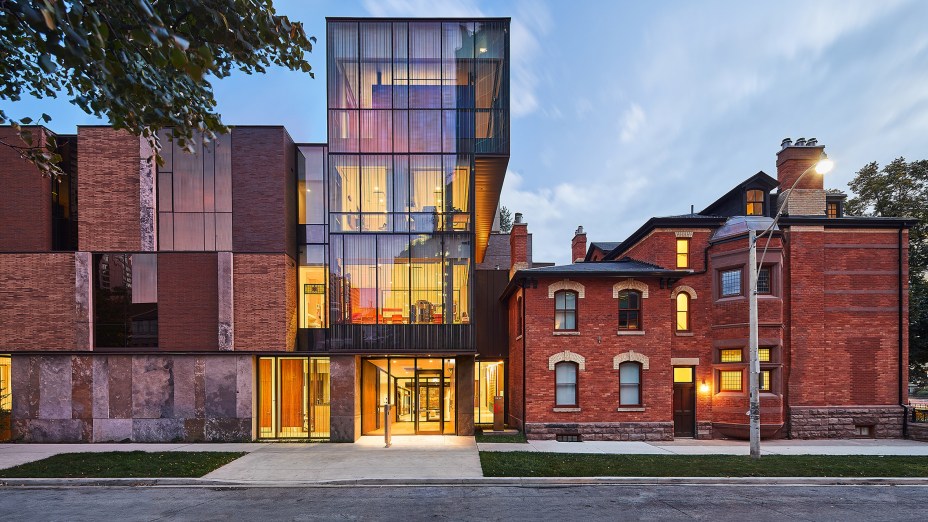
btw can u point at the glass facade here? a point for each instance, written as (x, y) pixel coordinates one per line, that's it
(195, 196)
(293, 397)
(420, 391)
(489, 382)
(387, 207)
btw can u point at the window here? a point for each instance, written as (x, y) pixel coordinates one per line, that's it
(683, 374)
(730, 380)
(833, 209)
(565, 380)
(683, 312)
(731, 282)
(629, 310)
(683, 252)
(519, 326)
(630, 384)
(764, 381)
(730, 355)
(565, 310)
(763, 281)
(763, 354)
(755, 205)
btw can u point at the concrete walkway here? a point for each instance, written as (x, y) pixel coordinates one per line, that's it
(722, 447)
(409, 457)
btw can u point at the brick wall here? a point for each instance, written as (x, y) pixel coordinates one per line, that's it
(26, 205)
(108, 186)
(188, 311)
(265, 302)
(37, 303)
(263, 190)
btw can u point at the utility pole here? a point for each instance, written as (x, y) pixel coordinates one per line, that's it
(754, 371)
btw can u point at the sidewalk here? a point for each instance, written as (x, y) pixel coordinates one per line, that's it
(721, 447)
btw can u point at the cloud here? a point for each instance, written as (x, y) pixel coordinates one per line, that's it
(634, 118)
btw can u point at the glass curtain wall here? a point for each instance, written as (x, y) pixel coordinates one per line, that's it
(293, 397)
(313, 251)
(421, 392)
(410, 104)
(489, 381)
(125, 300)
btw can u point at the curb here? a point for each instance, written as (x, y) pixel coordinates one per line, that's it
(458, 482)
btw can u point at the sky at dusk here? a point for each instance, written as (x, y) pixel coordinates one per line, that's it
(627, 110)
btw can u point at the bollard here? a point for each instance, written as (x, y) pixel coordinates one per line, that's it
(386, 423)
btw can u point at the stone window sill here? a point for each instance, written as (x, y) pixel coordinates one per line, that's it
(684, 334)
(566, 410)
(518, 337)
(630, 332)
(567, 333)
(630, 409)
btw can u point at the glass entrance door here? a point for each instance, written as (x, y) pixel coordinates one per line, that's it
(420, 391)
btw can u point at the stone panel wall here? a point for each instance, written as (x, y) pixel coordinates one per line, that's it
(137, 398)
(836, 422)
(602, 430)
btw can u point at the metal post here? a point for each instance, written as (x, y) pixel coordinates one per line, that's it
(386, 423)
(754, 370)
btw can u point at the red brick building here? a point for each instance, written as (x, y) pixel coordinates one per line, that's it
(646, 339)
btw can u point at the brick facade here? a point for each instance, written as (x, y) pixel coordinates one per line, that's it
(26, 205)
(265, 302)
(188, 308)
(109, 187)
(39, 299)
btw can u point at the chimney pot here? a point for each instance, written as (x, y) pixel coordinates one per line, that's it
(518, 217)
(785, 143)
(579, 230)
(811, 142)
(800, 142)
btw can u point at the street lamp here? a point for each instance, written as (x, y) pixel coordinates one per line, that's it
(822, 166)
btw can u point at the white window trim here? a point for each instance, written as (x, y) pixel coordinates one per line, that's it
(630, 356)
(630, 284)
(566, 284)
(567, 356)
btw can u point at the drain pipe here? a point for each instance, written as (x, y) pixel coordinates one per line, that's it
(901, 340)
(524, 369)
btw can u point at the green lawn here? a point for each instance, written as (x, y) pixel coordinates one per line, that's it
(532, 464)
(123, 464)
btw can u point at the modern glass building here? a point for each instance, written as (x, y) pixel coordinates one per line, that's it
(395, 211)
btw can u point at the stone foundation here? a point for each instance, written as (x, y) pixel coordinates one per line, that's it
(704, 430)
(918, 431)
(838, 422)
(132, 398)
(602, 430)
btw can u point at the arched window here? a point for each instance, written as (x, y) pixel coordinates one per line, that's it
(683, 312)
(565, 310)
(629, 310)
(755, 205)
(565, 384)
(519, 325)
(630, 384)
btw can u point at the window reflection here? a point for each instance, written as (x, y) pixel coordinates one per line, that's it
(125, 300)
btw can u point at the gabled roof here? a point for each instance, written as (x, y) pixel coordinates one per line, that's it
(761, 179)
(627, 267)
(683, 221)
(603, 246)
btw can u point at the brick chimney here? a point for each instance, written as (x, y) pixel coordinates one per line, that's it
(792, 160)
(518, 245)
(578, 246)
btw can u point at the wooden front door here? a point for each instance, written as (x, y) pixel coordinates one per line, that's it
(684, 409)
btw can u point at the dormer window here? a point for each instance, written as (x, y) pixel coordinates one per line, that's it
(755, 203)
(833, 209)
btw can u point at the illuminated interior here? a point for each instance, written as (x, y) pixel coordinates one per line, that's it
(293, 397)
(489, 382)
(420, 392)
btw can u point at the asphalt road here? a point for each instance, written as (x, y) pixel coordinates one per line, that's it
(754, 503)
